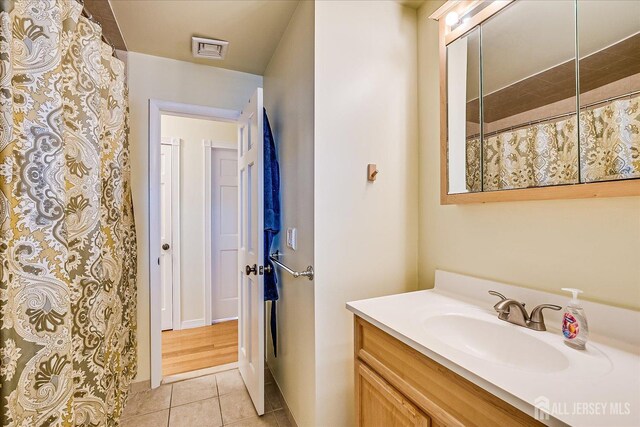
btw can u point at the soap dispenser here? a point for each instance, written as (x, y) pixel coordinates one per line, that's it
(574, 322)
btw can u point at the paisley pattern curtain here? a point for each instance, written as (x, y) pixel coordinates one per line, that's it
(610, 141)
(544, 154)
(67, 236)
(547, 153)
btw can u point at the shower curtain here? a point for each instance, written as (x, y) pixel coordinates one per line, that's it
(67, 236)
(547, 153)
(539, 155)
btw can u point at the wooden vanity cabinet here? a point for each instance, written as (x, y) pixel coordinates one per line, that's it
(379, 404)
(396, 385)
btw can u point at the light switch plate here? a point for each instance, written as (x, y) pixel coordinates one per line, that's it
(292, 240)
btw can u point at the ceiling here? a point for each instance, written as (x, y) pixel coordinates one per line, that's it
(253, 28)
(414, 4)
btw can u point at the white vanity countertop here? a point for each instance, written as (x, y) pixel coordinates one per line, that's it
(599, 386)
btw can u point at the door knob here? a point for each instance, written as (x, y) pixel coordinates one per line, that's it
(166, 247)
(250, 270)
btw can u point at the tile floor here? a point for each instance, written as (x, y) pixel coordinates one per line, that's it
(211, 401)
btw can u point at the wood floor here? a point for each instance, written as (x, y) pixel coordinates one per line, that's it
(199, 348)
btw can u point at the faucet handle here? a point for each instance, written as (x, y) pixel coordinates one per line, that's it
(537, 317)
(498, 294)
(502, 298)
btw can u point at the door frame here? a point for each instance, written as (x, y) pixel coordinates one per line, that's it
(208, 146)
(156, 109)
(176, 144)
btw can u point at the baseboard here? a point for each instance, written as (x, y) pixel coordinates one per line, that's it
(196, 323)
(226, 319)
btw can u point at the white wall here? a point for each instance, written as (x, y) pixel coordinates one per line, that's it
(590, 244)
(288, 97)
(168, 80)
(192, 204)
(366, 235)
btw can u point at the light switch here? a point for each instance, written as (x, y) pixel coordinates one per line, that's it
(292, 238)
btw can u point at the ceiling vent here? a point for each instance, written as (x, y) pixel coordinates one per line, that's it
(208, 48)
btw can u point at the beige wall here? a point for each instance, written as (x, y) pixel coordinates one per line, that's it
(168, 80)
(589, 244)
(288, 98)
(192, 263)
(366, 234)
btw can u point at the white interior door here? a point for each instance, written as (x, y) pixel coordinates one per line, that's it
(166, 242)
(251, 248)
(224, 233)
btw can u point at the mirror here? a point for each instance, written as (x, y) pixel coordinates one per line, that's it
(516, 82)
(609, 52)
(529, 96)
(463, 89)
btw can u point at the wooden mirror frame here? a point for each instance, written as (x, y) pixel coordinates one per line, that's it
(620, 188)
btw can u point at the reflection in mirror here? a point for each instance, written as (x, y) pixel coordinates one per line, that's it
(609, 52)
(463, 90)
(529, 96)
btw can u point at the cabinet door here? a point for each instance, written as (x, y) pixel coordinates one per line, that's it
(379, 404)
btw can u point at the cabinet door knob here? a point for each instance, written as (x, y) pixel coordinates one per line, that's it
(166, 247)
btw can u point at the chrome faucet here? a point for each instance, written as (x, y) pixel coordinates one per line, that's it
(513, 311)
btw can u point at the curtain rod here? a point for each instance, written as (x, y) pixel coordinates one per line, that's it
(90, 17)
(559, 116)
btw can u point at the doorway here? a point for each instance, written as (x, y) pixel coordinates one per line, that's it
(250, 240)
(199, 242)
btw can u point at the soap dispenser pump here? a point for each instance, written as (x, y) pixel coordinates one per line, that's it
(574, 322)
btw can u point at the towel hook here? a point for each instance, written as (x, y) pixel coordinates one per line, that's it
(372, 172)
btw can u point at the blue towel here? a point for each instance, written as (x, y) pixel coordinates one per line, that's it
(271, 222)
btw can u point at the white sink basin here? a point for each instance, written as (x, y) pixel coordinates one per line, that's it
(496, 342)
(456, 327)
